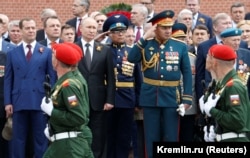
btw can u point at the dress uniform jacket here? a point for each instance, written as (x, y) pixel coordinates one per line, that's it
(232, 108)
(70, 114)
(170, 61)
(129, 74)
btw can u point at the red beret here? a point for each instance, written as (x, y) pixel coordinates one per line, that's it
(65, 53)
(78, 49)
(222, 52)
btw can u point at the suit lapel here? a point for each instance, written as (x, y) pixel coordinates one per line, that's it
(82, 62)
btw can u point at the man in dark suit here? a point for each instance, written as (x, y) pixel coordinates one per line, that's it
(47, 12)
(52, 27)
(80, 10)
(199, 34)
(25, 71)
(139, 15)
(221, 22)
(198, 17)
(97, 68)
(150, 6)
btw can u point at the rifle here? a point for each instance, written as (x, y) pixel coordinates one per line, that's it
(211, 90)
(47, 89)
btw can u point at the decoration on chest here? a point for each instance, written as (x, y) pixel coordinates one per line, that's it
(172, 57)
(1, 70)
(243, 72)
(125, 57)
(127, 68)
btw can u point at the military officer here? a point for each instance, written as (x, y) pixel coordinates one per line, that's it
(68, 108)
(164, 60)
(128, 81)
(229, 105)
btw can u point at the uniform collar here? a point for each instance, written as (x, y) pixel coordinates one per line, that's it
(118, 45)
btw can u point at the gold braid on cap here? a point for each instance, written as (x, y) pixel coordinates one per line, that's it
(151, 63)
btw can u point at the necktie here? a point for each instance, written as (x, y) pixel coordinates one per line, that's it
(138, 34)
(87, 56)
(29, 54)
(194, 22)
(78, 30)
(52, 43)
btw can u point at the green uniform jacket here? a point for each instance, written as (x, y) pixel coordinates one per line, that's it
(165, 62)
(70, 113)
(71, 107)
(232, 112)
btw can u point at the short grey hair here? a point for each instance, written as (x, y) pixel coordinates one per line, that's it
(47, 12)
(85, 3)
(143, 9)
(182, 12)
(13, 23)
(219, 17)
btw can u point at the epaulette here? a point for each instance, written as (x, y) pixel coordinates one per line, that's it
(177, 40)
(65, 83)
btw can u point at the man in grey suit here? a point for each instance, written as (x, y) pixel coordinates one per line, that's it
(97, 68)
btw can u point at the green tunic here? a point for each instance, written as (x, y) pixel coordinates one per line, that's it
(70, 113)
(233, 108)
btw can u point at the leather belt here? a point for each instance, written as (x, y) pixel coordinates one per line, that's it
(64, 135)
(229, 135)
(124, 84)
(161, 82)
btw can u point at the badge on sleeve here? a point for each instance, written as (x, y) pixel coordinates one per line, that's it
(73, 100)
(235, 99)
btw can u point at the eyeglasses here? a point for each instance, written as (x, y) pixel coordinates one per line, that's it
(146, 3)
(118, 31)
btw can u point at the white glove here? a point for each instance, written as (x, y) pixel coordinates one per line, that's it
(46, 133)
(201, 104)
(181, 110)
(206, 134)
(211, 103)
(47, 107)
(212, 134)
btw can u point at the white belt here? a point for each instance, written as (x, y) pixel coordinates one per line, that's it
(229, 135)
(64, 135)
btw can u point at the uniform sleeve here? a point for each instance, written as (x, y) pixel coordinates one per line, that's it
(187, 78)
(135, 56)
(233, 109)
(76, 111)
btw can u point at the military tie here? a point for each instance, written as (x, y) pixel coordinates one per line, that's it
(78, 29)
(138, 34)
(87, 56)
(29, 54)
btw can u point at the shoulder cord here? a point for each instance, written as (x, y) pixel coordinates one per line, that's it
(151, 63)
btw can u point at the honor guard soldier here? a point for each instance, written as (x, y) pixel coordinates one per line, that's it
(164, 60)
(229, 104)
(68, 107)
(128, 81)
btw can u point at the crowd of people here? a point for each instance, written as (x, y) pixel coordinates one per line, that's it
(109, 85)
